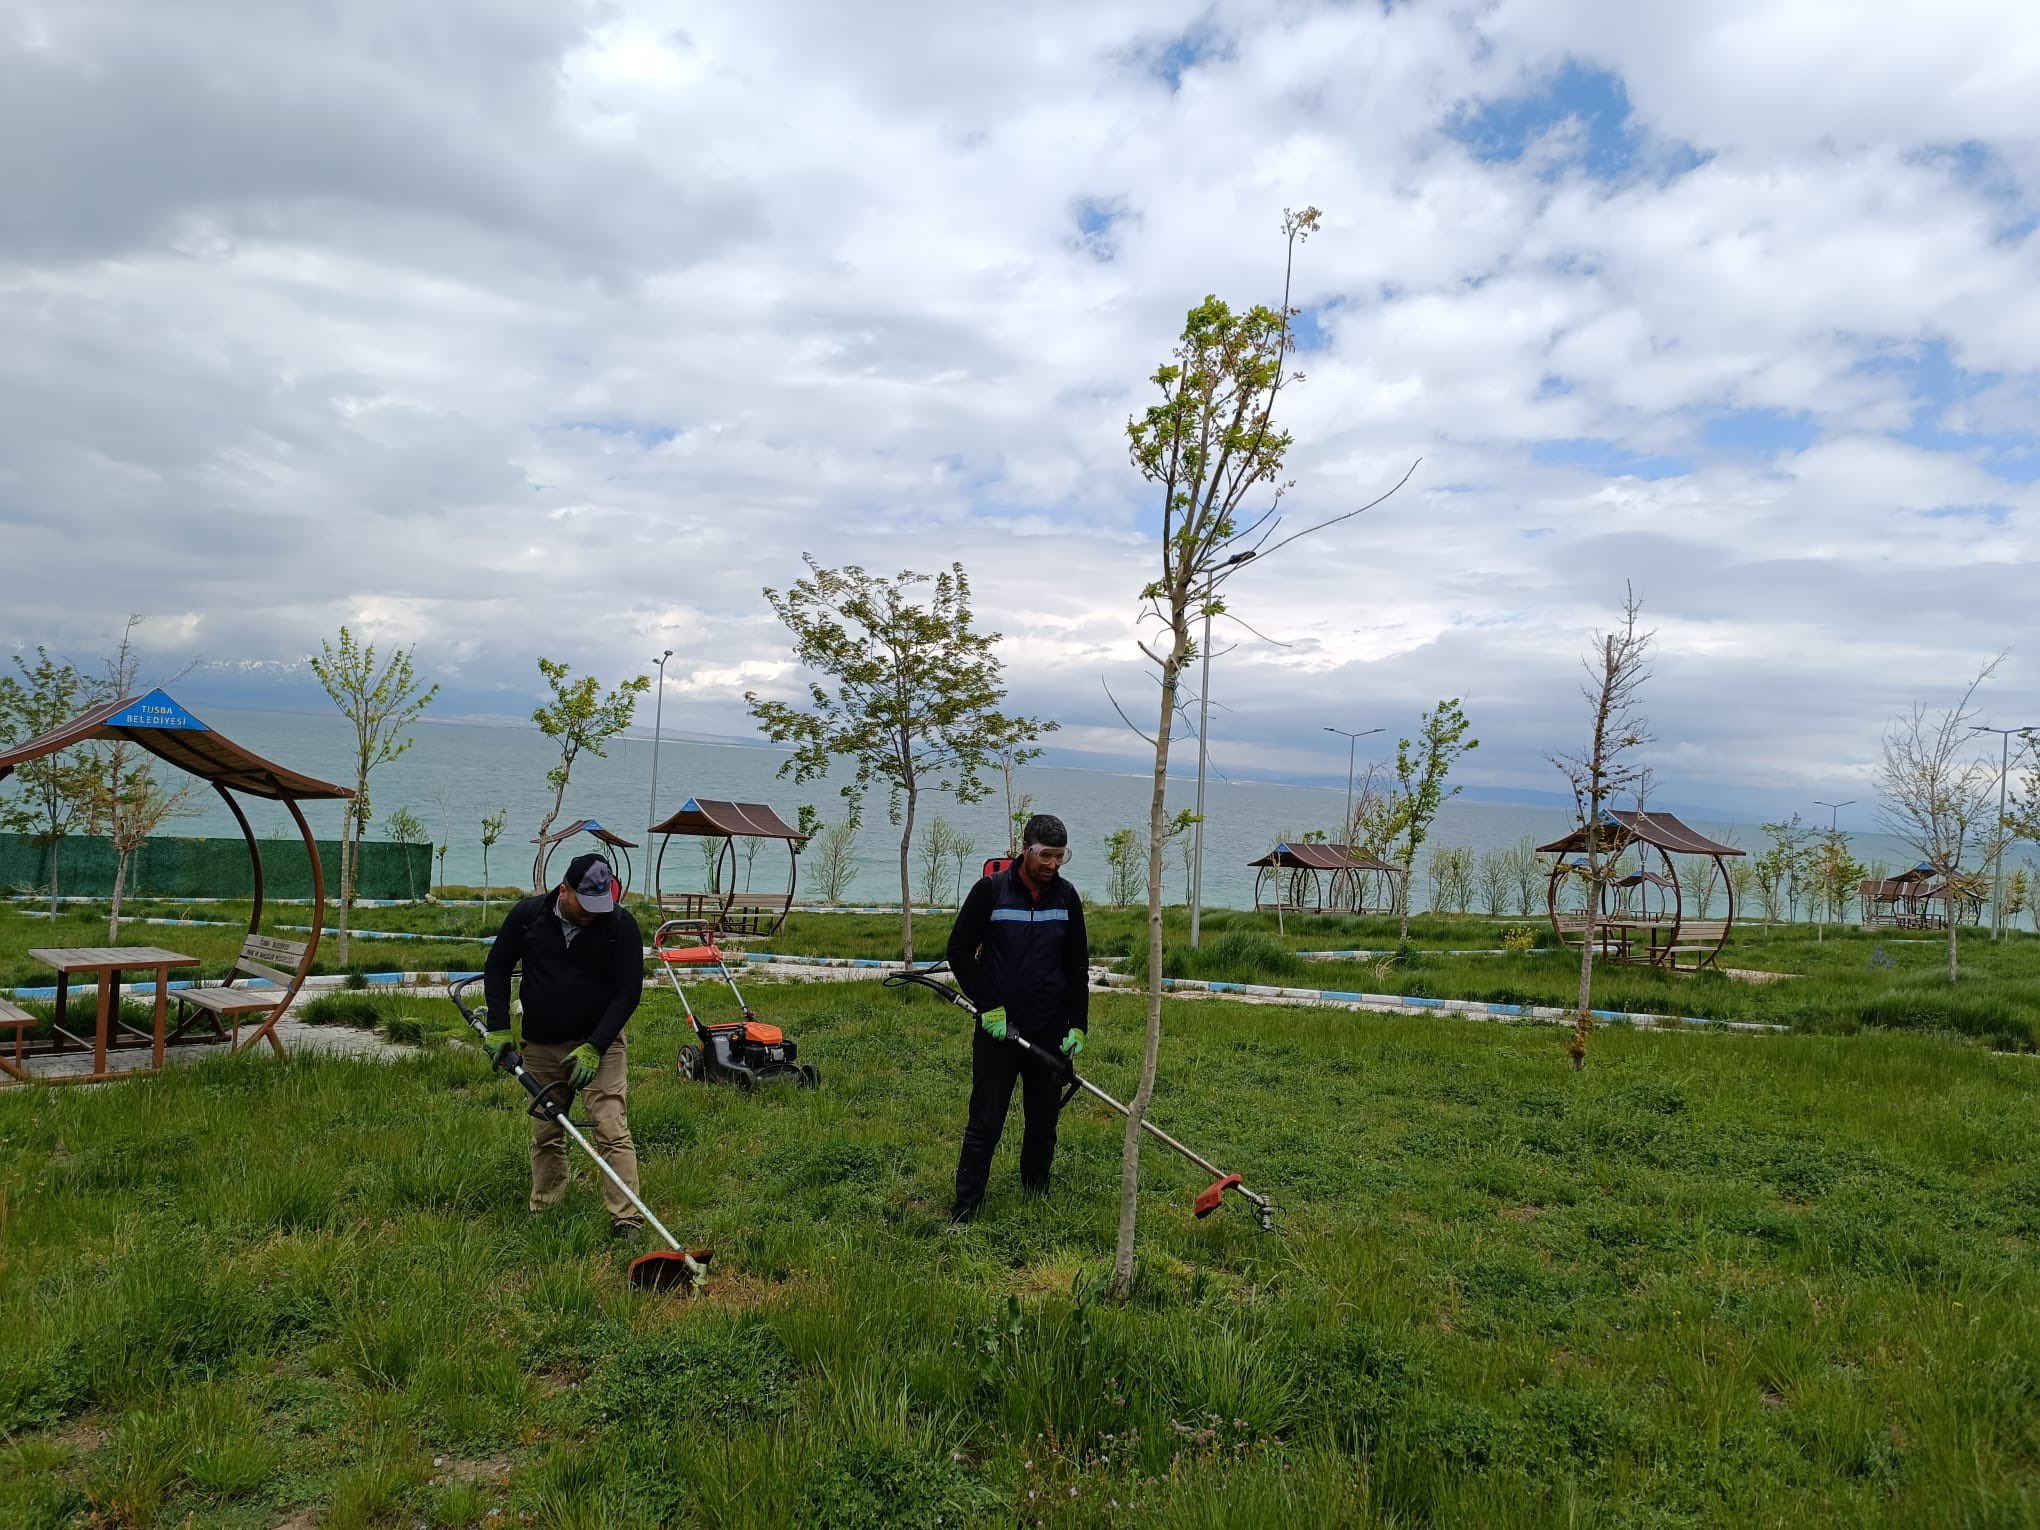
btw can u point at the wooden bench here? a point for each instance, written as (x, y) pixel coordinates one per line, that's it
(13, 1017)
(1699, 939)
(745, 914)
(238, 1006)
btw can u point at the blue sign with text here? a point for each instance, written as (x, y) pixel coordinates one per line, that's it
(155, 710)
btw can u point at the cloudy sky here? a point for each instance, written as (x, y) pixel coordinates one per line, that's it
(515, 326)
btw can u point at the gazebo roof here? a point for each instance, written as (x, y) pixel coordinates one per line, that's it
(734, 820)
(586, 826)
(157, 723)
(1620, 829)
(1324, 857)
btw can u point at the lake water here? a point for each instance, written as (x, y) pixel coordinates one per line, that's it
(457, 772)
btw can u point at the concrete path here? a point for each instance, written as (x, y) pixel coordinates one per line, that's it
(297, 1037)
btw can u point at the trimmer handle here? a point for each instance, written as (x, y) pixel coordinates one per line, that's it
(549, 1102)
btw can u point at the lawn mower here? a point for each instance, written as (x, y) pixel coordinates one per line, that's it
(745, 1051)
(1208, 1199)
(660, 1270)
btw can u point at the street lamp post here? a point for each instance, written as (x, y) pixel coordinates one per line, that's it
(1827, 893)
(1203, 753)
(658, 729)
(1352, 746)
(1997, 896)
(1197, 829)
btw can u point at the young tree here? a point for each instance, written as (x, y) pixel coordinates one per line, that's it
(128, 803)
(440, 852)
(1420, 772)
(1780, 868)
(492, 830)
(580, 719)
(1832, 872)
(1601, 773)
(1494, 876)
(1938, 796)
(1011, 740)
(1126, 866)
(382, 704)
(1528, 873)
(1209, 445)
(938, 847)
(961, 848)
(1742, 878)
(1696, 882)
(916, 698)
(1021, 809)
(52, 796)
(833, 859)
(407, 829)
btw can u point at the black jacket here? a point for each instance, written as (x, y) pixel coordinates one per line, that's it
(1031, 959)
(583, 992)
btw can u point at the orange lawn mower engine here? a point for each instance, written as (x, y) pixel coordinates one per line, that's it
(744, 1051)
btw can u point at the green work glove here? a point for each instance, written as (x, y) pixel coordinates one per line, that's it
(498, 1045)
(1073, 1043)
(994, 1022)
(585, 1060)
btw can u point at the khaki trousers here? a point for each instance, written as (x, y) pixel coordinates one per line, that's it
(547, 1062)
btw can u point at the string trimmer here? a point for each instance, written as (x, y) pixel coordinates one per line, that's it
(1208, 1199)
(659, 1270)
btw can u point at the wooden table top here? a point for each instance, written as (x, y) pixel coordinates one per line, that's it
(108, 958)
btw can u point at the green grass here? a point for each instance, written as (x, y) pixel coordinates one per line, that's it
(1836, 984)
(1711, 1280)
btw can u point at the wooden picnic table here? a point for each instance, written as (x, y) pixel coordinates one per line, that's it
(1626, 928)
(107, 963)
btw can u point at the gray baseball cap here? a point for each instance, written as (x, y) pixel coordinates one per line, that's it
(593, 883)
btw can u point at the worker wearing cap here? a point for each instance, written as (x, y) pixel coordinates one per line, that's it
(584, 972)
(1020, 953)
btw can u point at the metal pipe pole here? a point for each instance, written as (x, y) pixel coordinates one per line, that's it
(1826, 892)
(658, 729)
(1997, 896)
(1197, 830)
(1352, 746)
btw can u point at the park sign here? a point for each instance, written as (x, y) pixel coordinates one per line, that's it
(156, 710)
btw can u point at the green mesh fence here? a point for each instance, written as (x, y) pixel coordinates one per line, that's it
(210, 868)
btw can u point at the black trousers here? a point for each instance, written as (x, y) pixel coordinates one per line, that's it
(994, 1066)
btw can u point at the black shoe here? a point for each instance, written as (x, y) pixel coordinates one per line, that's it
(1038, 1191)
(622, 1230)
(963, 1216)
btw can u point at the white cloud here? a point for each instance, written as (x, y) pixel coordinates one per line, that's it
(520, 326)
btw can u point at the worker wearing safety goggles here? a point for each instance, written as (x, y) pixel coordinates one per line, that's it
(1020, 953)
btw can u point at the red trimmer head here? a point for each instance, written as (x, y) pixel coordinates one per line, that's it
(1209, 1197)
(668, 1269)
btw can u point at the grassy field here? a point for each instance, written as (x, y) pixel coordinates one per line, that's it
(1711, 1280)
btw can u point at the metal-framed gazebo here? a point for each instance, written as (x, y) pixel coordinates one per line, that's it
(1319, 878)
(157, 723)
(1642, 915)
(1908, 899)
(722, 906)
(594, 830)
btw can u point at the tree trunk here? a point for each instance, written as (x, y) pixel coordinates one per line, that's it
(485, 887)
(120, 866)
(346, 878)
(1951, 929)
(906, 893)
(55, 845)
(1583, 1018)
(1408, 878)
(1129, 1149)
